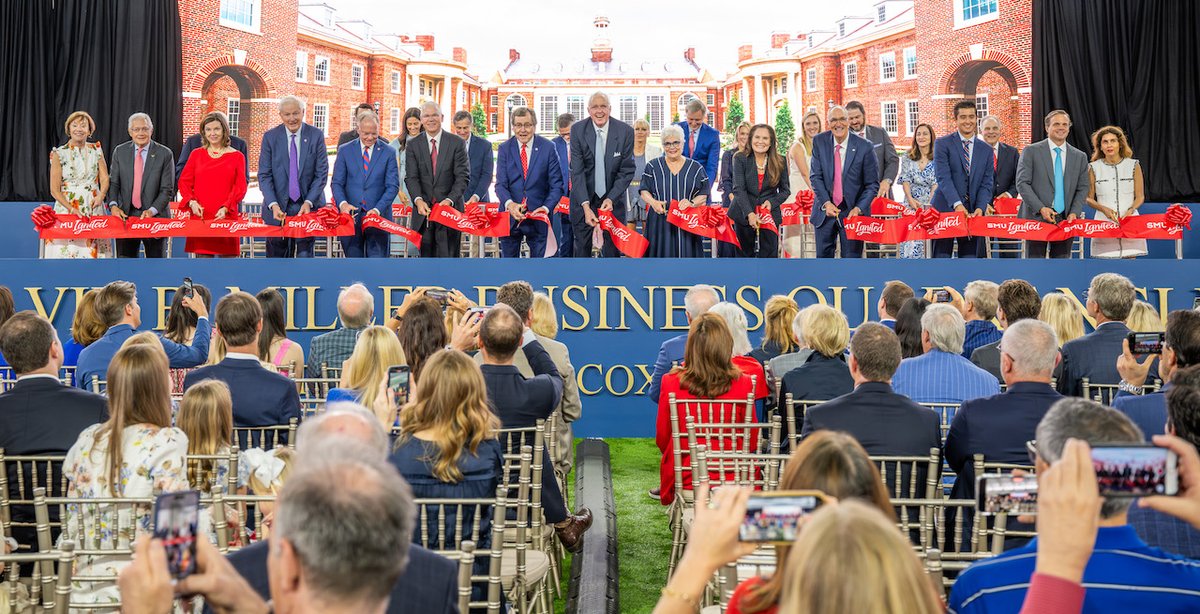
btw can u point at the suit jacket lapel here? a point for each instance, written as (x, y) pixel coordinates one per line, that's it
(441, 159)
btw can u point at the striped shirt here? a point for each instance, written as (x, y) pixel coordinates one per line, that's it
(979, 334)
(1123, 575)
(942, 377)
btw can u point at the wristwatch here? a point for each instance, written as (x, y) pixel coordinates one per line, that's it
(1130, 388)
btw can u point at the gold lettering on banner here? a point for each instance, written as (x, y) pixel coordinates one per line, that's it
(636, 379)
(481, 294)
(163, 306)
(645, 373)
(672, 307)
(35, 295)
(817, 293)
(388, 305)
(608, 380)
(1163, 293)
(751, 306)
(311, 291)
(574, 306)
(625, 297)
(866, 290)
(289, 305)
(582, 372)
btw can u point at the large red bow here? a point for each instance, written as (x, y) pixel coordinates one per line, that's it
(1179, 215)
(43, 217)
(927, 218)
(805, 199)
(331, 218)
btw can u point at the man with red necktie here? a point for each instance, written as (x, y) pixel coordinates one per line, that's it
(141, 183)
(528, 182)
(366, 179)
(437, 173)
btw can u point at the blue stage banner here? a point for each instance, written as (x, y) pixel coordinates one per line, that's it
(613, 314)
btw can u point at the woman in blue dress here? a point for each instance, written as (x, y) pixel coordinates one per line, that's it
(672, 177)
(916, 175)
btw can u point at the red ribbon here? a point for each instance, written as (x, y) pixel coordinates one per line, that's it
(43, 217)
(626, 241)
(882, 206)
(1006, 206)
(478, 220)
(927, 218)
(709, 221)
(372, 220)
(401, 210)
(765, 220)
(1179, 215)
(797, 211)
(113, 227)
(563, 206)
(951, 225)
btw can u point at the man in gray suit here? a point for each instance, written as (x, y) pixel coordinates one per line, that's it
(886, 159)
(141, 183)
(1052, 178)
(437, 173)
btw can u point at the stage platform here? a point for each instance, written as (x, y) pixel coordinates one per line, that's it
(613, 314)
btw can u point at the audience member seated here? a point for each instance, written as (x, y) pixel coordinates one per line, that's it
(86, 328)
(521, 402)
(707, 372)
(1016, 300)
(941, 374)
(777, 339)
(356, 308)
(893, 297)
(782, 364)
(266, 473)
(1181, 349)
(998, 427)
(274, 347)
(1124, 574)
(117, 307)
(835, 464)
(364, 378)
(824, 375)
(735, 319)
(40, 415)
(135, 453)
(181, 321)
(1144, 318)
(978, 308)
(7, 309)
(1094, 356)
(1063, 315)
(908, 326)
(260, 397)
(206, 419)
(698, 300)
(422, 330)
(884, 422)
(544, 320)
(1183, 420)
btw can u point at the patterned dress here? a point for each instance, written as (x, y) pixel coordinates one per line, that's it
(152, 462)
(81, 188)
(921, 182)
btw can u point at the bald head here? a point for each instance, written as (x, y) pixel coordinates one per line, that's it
(500, 333)
(699, 299)
(356, 306)
(343, 429)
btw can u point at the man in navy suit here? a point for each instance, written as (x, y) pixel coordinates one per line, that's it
(845, 179)
(260, 397)
(998, 426)
(886, 160)
(196, 141)
(293, 168)
(701, 142)
(1004, 162)
(366, 179)
(698, 300)
(479, 158)
(528, 179)
(562, 221)
(601, 170)
(963, 165)
(1094, 356)
(1181, 349)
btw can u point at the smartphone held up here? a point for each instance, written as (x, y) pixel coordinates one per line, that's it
(774, 517)
(176, 522)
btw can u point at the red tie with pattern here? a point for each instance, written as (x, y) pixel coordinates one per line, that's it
(692, 145)
(524, 163)
(433, 154)
(366, 164)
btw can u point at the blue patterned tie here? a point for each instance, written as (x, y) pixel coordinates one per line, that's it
(1060, 192)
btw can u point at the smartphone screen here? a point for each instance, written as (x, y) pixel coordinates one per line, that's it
(1196, 303)
(441, 296)
(775, 517)
(398, 383)
(482, 311)
(1006, 494)
(1146, 343)
(188, 290)
(941, 296)
(176, 520)
(1135, 471)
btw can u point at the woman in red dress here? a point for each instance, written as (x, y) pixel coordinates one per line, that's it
(212, 185)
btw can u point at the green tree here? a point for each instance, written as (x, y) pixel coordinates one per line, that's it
(785, 130)
(480, 119)
(734, 114)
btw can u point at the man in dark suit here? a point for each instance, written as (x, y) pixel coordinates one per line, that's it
(39, 415)
(1052, 178)
(1016, 300)
(965, 173)
(601, 170)
(260, 397)
(701, 142)
(887, 162)
(845, 179)
(366, 179)
(521, 402)
(479, 158)
(998, 427)
(437, 173)
(352, 134)
(1094, 356)
(141, 183)
(196, 141)
(562, 221)
(293, 168)
(885, 423)
(528, 179)
(1004, 162)
(1181, 349)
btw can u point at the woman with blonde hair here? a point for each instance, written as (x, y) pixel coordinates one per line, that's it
(841, 546)
(1063, 315)
(543, 316)
(364, 375)
(1116, 191)
(206, 417)
(1144, 319)
(266, 473)
(835, 464)
(643, 152)
(136, 453)
(825, 375)
(777, 335)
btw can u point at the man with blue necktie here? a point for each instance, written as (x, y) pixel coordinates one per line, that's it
(845, 179)
(601, 169)
(1052, 178)
(562, 221)
(528, 180)
(293, 169)
(962, 163)
(366, 179)
(701, 142)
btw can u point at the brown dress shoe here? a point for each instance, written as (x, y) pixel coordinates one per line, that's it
(571, 533)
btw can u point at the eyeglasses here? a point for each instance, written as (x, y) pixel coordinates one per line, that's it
(522, 125)
(672, 143)
(1031, 449)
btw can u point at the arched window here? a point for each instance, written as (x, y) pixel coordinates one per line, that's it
(514, 101)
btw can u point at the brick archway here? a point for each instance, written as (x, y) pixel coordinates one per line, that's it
(994, 80)
(254, 75)
(963, 74)
(222, 80)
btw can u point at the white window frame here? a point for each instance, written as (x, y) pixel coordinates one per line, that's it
(621, 100)
(361, 76)
(576, 106)
(255, 26)
(316, 73)
(846, 66)
(710, 99)
(883, 105)
(883, 59)
(547, 111)
(911, 52)
(302, 66)
(397, 82)
(810, 80)
(494, 118)
(983, 107)
(233, 111)
(656, 103)
(321, 109)
(394, 123)
(911, 120)
(783, 84)
(495, 100)
(354, 118)
(881, 13)
(960, 22)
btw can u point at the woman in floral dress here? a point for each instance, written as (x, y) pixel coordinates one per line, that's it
(916, 175)
(78, 182)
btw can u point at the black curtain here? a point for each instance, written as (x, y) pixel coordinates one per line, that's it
(111, 58)
(1128, 63)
